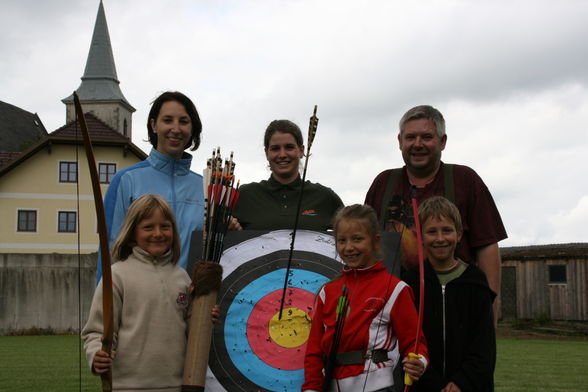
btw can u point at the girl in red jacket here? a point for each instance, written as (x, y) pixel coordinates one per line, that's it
(364, 319)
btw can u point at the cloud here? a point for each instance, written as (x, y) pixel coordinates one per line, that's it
(569, 222)
(509, 76)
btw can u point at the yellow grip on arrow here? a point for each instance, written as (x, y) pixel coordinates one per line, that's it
(407, 379)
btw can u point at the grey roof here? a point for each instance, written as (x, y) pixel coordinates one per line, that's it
(100, 82)
(18, 128)
(551, 251)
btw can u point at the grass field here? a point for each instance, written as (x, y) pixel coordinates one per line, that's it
(541, 365)
(51, 364)
(44, 363)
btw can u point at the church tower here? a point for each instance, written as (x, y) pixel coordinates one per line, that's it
(99, 91)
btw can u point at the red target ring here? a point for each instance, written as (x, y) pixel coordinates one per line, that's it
(281, 343)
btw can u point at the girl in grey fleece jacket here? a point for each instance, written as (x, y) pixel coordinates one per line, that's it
(150, 302)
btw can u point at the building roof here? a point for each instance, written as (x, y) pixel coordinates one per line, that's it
(553, 251)
(100, 135)
(18, 128)
(99, 131)
(100, 81)
(6, 157)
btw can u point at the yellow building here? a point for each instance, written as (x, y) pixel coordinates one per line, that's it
(39, 191)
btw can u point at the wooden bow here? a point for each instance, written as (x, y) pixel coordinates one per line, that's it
(107, 311)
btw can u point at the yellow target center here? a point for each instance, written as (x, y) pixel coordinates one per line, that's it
(292, 330)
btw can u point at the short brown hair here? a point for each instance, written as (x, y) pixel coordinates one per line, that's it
(424, 111)
(439, 207)
(176, 96)
(283, 126)
(142, 208)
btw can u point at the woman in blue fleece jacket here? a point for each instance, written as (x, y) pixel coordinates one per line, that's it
(173, 126)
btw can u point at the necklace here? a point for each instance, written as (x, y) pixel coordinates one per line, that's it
(454, 264)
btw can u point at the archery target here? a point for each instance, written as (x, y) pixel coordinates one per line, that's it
(252, 348)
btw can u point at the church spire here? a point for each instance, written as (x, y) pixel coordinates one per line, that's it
(100, 63)
(100, 84)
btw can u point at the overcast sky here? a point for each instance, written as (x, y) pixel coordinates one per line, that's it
(510, 77)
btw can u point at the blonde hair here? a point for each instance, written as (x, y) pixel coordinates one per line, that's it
(143, 208)
(360, 212)
(439, 207)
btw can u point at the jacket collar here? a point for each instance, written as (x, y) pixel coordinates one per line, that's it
(471, 275)
(170, 166)
(146, 257)
(379, 266)
(276, 185)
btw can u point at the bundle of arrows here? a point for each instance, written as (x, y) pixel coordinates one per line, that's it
(340, 317)
(221, 198)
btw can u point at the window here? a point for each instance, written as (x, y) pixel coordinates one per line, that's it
(27, 220)
(67, 222)
(557, 274)
(68, 171)
(106, 172)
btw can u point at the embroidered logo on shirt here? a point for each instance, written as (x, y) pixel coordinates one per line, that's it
(182, 300)
(309, 212)
(373, 304)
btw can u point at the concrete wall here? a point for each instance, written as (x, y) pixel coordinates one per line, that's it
(48, 291)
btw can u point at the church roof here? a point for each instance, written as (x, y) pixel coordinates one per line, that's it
(100, 135)
(100, 81)
(18, 128)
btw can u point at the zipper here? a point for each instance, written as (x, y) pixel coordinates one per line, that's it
(173, 185)
(444, 333)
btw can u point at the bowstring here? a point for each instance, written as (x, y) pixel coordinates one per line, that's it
(79, 257)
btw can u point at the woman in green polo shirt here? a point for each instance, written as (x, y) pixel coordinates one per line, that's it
(271, 204)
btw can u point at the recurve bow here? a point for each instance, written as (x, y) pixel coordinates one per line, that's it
(107, 311)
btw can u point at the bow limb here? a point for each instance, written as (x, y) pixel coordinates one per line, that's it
(107, 310)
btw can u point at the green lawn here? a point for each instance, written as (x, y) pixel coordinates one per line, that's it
(51, 363)
(44, 363)
(541, 365)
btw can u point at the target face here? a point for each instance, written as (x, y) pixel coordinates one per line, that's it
(253, 349)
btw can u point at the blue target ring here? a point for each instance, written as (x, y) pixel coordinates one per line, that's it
(251, 366)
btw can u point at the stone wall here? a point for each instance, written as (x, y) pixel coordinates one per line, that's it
(45, 291)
